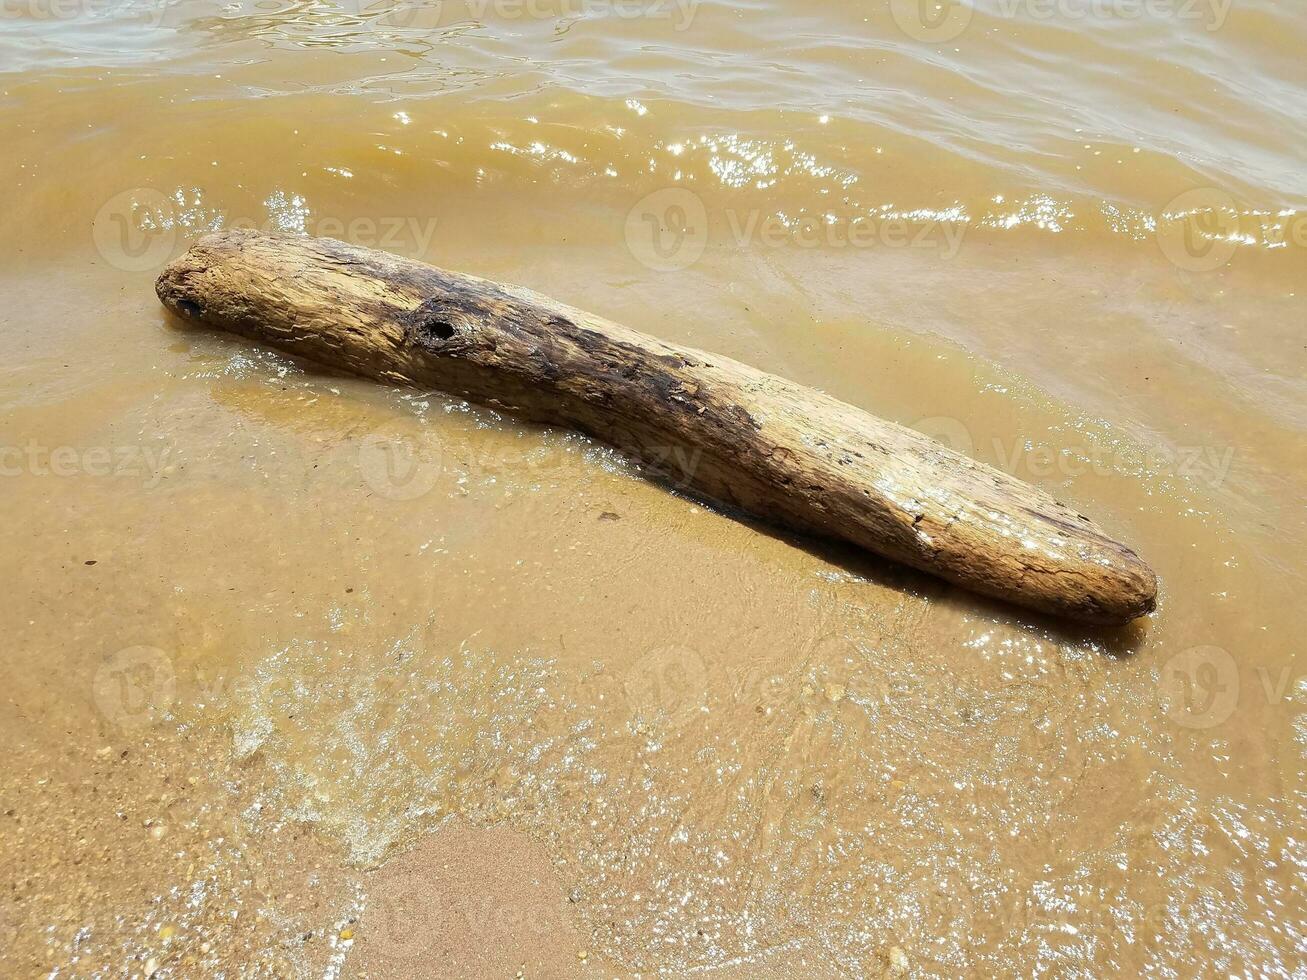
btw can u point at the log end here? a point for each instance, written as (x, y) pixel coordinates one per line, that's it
(1122, 589)
(1073, 572)
(177, 286)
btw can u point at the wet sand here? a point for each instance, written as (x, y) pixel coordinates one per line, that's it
(311, 677)
(472, 903)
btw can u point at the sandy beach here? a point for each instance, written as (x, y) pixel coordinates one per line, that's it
(310, 676)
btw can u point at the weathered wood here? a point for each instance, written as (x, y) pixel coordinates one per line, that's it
(766, 445)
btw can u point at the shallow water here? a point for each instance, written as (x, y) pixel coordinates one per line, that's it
(298, 621)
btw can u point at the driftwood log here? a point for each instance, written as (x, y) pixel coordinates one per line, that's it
(768, 446)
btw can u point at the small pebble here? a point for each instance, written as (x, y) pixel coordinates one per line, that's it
(898, 961)
(347, 933)
(583, 955)
(151, 966)
(157, 831)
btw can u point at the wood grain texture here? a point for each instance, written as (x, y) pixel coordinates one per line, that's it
(768, 446)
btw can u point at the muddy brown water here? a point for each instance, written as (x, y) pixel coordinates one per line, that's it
(290, 656)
